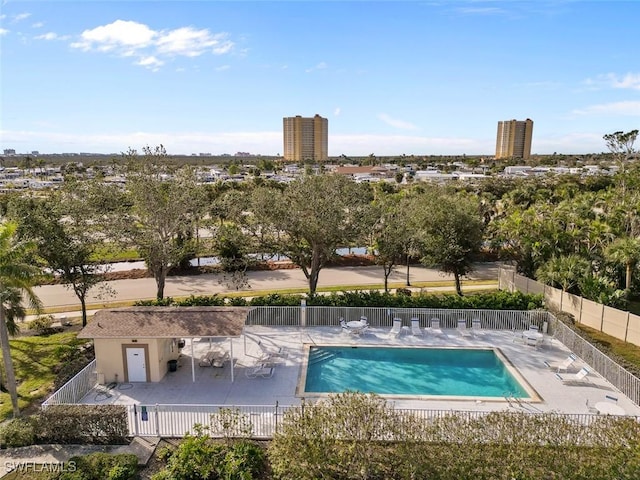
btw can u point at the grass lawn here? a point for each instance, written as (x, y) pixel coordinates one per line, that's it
(619, 348)
(35, 359)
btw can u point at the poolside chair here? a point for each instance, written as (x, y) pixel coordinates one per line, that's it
(343, 324)
(214, 358)
(435, 329)
(396, 329)
(579, 378)
(261, 370)
(415, 327)
(476, 326)
(564, 365)
(462, 328)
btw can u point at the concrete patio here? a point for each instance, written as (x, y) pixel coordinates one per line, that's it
(213, 386)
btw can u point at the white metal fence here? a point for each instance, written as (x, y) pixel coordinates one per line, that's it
(264, 421)
(383, 317)
(176, 420)
(615, 374)
(76, 388)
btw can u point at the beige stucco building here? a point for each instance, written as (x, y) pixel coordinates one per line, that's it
(514, 139)
(137, 344)
(305, 138)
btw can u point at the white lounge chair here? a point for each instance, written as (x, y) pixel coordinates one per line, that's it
(576, 379)
(261, 370)
(564, 365)
(434, 328)
(462, 328)
(396, 329)
(415, 327)
(343, 324)
(476, 326)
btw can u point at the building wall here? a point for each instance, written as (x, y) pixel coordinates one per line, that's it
(514, 138)
(110, 357)
(305, 138)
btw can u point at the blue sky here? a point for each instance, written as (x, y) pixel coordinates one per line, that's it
(400, 77)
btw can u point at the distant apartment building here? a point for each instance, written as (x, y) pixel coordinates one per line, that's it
(9, 151)
(305, 138)
(514, 139)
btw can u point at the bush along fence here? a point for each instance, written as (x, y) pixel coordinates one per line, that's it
(501, 300)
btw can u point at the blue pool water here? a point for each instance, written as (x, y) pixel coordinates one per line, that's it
(410, 371)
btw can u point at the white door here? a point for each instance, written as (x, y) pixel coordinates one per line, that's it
(136, 365)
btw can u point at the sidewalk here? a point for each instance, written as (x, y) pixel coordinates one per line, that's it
(56, 457)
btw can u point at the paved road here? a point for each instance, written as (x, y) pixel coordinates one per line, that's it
(182, 286)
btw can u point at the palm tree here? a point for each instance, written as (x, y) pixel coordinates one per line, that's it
(16, 279)
(565, 271)
(625, 250)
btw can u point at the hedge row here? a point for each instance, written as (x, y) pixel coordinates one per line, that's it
(68, 424)
(500, 300)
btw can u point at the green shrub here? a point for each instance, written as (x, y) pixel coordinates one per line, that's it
(17, 432)
(43, 325)
(103, 466)
(93, 424)
(165, 302)
(201, 301)
(200, 457)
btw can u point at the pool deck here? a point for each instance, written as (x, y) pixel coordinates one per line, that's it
(213, 385)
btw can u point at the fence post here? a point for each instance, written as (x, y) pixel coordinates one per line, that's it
(135, 420)
(303, 313)
(626, 330)
(157, 415)
(275, 416)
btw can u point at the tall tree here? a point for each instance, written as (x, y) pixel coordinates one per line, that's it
(164, 208)
(392, 236)
(17, 277)
(621, 145)
(310, 219)
(451, 230)
(625, 251)
(63, 230)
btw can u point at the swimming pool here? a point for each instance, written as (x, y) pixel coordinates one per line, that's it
(399, 371)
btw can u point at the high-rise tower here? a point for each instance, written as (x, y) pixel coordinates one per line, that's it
(305, 138)
(514, 139)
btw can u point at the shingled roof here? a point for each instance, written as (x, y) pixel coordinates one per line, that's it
(166, 322)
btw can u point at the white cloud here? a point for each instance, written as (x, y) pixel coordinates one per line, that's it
(480, 11)
(3, 31)
(264, 142)
(616, 108)
(394, 122)
(222, 68)
(52, 36)
(38, 25)
(613, 80)
(19, 17)
(118, 34)
(270, 143)
(630, 80)
(132, 39)
(319, 66)
(150, 62)
(336, 112)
